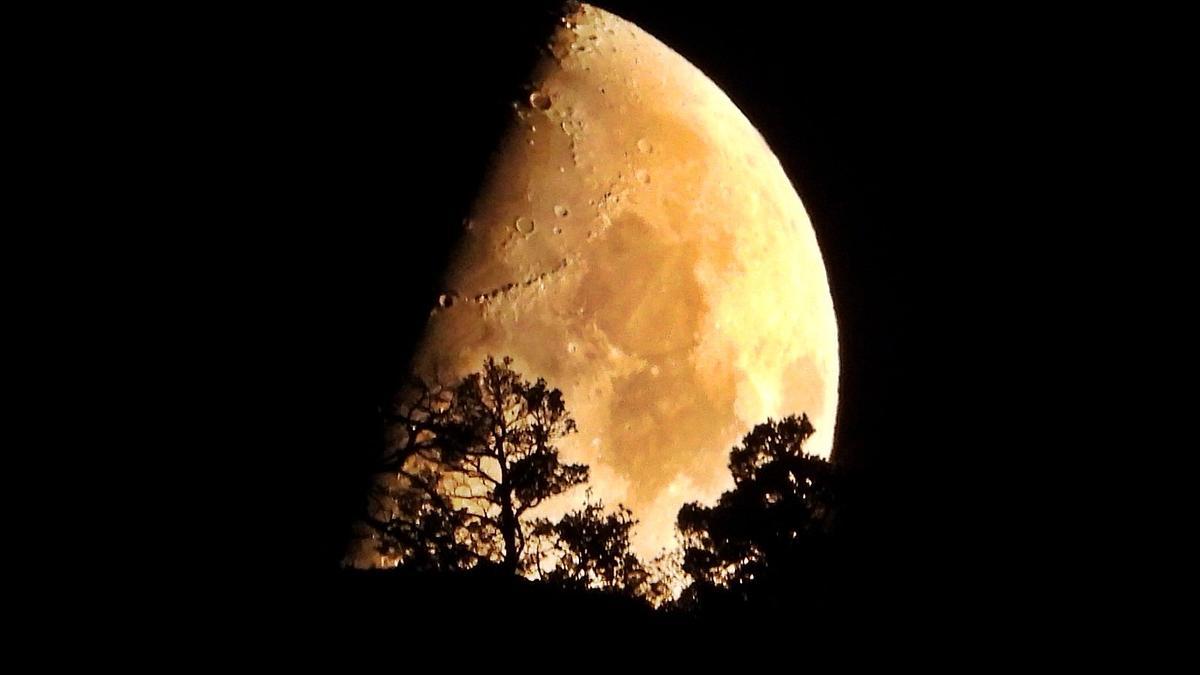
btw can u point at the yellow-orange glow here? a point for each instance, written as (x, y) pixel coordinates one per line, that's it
(638, 245)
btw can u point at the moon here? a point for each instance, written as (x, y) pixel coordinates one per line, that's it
(636, 243)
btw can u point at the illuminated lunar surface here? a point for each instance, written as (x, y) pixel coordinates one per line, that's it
(637, 244)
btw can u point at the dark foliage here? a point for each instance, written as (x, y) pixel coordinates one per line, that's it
(763, 540)
(466, 466)
(467, 463)
(589, 548)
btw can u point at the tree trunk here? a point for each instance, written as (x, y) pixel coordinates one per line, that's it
(508, 518)
(508, 527)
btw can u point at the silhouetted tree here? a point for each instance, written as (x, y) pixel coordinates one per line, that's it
(588, 548)
(466, 464)
(761, 534)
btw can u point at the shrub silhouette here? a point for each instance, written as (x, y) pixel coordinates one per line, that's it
(757, 540)
(589, 548)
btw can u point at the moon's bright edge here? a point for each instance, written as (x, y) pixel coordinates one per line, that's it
(637, 244)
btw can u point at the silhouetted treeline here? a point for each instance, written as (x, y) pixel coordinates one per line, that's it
(451, 514)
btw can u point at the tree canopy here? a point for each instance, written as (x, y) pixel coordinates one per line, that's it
(761, 533)
(589, 548)
(467, 466)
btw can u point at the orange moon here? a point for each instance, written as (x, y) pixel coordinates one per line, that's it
(637, 244)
